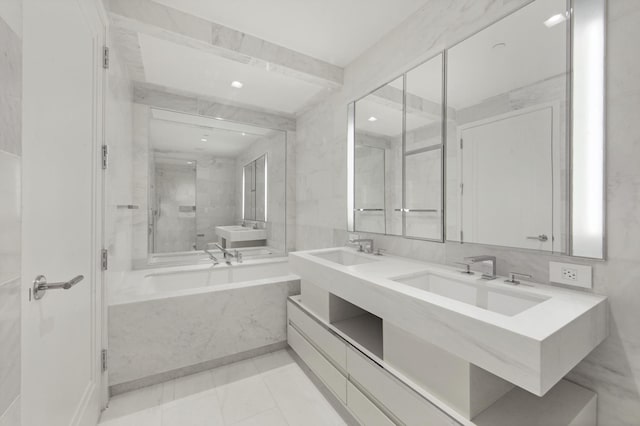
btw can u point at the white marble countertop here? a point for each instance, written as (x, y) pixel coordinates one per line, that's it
(534, 348)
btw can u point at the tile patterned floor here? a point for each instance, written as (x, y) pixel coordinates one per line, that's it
(270, 390)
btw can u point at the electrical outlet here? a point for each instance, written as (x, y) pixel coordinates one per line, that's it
(570, 274)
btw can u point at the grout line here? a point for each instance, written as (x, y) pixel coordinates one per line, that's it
(273, 396)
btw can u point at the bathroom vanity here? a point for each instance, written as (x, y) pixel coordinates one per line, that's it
(239, 236)
(405, 342)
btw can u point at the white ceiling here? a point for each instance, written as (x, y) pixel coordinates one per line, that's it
(183, 68)
(183, 133)
(336, 31)
(533, 52)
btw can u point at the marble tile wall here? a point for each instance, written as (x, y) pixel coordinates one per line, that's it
(613, 369)
(119, 174)
(10, 208)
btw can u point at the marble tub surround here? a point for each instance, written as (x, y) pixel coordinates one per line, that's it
(533, 349)
(181, 320)
(179, 280)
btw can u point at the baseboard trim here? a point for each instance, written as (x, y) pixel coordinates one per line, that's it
(193, 369)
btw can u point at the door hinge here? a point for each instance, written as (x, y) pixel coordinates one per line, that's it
(104, 259)
(462, 189)
(461, 143)
(105, 57)
(103, 358)
(105, 157)
(461, 237)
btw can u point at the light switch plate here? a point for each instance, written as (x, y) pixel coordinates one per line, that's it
(570, 274)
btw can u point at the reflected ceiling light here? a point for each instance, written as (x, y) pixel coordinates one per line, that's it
(237, 84)
(372, 119)
(244, 134)
(555, 20)
(189, 162)
(203, 140)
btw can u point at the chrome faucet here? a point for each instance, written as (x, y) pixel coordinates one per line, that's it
(227, 255)
(361, 242)
(212, 257)
(484, 258)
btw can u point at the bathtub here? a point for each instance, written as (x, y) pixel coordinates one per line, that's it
(190, 257)
(168, 322)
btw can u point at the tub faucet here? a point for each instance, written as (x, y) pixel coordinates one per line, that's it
(484, 258)
(227, 255)
(364, 244)
(212, 257)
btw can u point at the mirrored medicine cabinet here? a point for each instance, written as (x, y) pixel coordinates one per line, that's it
(498, 140)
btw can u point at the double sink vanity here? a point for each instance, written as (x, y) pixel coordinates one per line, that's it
(400, 341)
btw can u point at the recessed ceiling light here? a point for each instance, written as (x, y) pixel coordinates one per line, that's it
(372, 119)
(189, 162)
(244, 134)
(237, 84)
(218, 118)
(203, 140)
(555, 20)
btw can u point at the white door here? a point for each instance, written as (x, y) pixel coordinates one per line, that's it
(508, 182)
(62, 122)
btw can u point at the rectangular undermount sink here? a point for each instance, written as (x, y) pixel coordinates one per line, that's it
(501, 301)
(346, 258)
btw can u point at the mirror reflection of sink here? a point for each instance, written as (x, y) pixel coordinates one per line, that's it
(234, 233)
(506, 302)
(346, 258)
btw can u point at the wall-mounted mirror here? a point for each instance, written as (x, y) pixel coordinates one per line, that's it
(525, 139)
(210, 182)
(509, 159)
(397, 151)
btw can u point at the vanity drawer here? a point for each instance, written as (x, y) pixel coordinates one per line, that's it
(330, 375)
(365, 410)
(409, 407)
(331, 345)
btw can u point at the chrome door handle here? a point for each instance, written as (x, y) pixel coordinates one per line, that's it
(40, 285)
(541, 237)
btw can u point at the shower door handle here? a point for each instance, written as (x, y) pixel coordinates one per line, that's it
(40, 285)
(541, 237)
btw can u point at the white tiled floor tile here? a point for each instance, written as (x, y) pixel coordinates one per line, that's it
(300, 401)
(234, 372)
(148, 417)
(193, 384)
(201, 409)
(268, 418)
(133, 402)
(273, 360)
(271, 390)
(244, 398)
